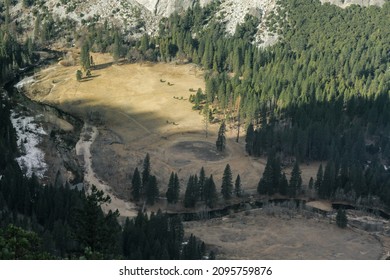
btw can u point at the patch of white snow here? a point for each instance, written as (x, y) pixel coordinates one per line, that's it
(28, 135)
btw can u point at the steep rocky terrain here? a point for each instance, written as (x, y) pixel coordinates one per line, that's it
(136, 17)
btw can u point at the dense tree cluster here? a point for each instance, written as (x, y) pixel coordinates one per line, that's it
(159, 237)
(144, 185)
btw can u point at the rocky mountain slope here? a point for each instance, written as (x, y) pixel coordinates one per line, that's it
(136, 17)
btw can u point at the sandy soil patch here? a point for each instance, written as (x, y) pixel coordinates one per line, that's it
(259, 236)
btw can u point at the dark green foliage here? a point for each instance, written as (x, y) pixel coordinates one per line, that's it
(328, 185)
(341, 218)
(237, 186)
(151, 190)
(221, 140)
(210, 193)
(146, 171)
(117, 46)
(269, 184)
(295, 185)
(191, 195)
(194, 249)
(85, 61)
(19, 244)
(227, 183)
(158, 237)
(283, 187)
(94, 230)
(136, 185)
(249, 139)
(173, 190)
(202, 183)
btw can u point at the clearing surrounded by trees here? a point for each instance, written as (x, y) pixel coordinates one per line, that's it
(144, 108)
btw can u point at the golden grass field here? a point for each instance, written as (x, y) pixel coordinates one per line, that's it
(136, 112)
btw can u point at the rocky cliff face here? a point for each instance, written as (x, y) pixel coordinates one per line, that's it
(137, 17)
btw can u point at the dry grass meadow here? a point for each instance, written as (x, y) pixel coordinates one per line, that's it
(144, 108)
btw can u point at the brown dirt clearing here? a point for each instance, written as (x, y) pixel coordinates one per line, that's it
(260, 236)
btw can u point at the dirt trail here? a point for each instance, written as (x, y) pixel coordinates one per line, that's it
(83, 148)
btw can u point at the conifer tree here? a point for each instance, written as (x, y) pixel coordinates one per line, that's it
(146, 170)
(173, 190)
(85, 57)
(283, 185)
(237, 186)
(116, 51)
(176, 189)
(295, 181)
(191, 193)
(221, 140)
(152, 191)
(329, 181)
(136, 185)
(169, 193)
(270, 181)
(227, 183)
(249, 139)
(211, 196)
(201, 183)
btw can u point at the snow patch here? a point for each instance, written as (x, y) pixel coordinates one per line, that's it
(28, 135)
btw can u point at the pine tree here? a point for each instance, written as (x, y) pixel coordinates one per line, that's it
(237, 186)
(249, 139)
(295, 181)
(221, 140)
(270, 181)
(136, 185)
(152, 191)
(172, 191)
(201, 183)
(210, 193)
(176, 189)
(329, 181)
(85, 57)
(227, 183)
(283, 185)
(190, 196)
(116, 51)
(146, 171)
